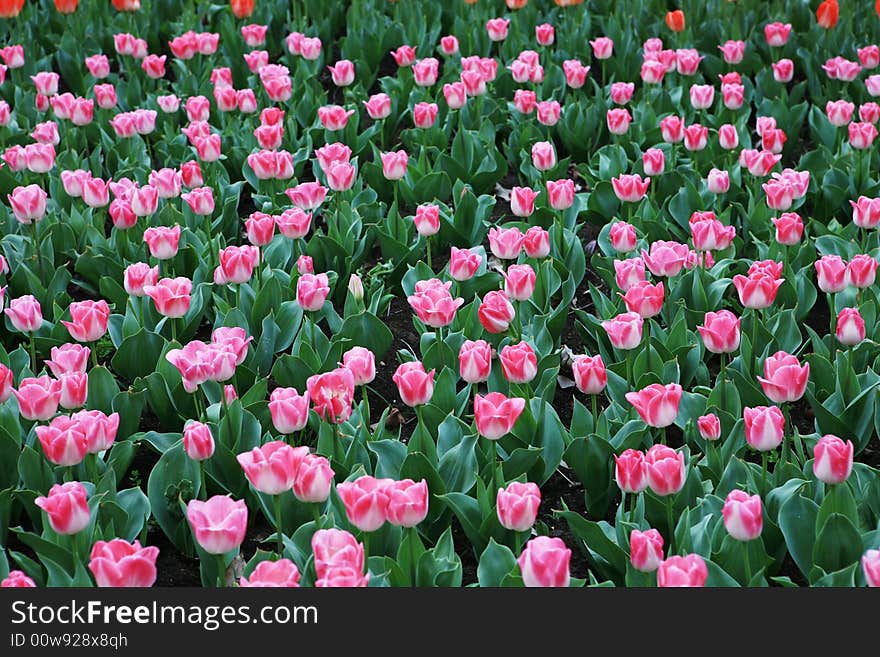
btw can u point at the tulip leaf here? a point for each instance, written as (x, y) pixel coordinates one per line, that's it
(496, 562)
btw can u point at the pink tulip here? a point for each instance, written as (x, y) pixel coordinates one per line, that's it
(427, 220)
(630, 188)
(631, 471)
(342, 73)
(495, 312)
(687, 62)
(332, 394)
(666, 470)
(378, 106)
(537, 239)
(198, 443)
(88, 320)
(545, 34)
(17, 580)
(334, 117)
(407, 502)
(366, 501)
(549, 112)
(138, 276)
(171, 296)
(289, 410)
(623, 236)
(506, 243)
(64, 441)
(832, 459)
(687, 571)
(743, 515)
(28, 204)
(497, 28)
(560, 194)
(519, 282)
(665, 258)
(219, 524)
(545, 563)
(672, 129)
(733, 51)
(67, 507)
(38, 398)
(543, 156)
(118, 563)
(314, 477)
(517, 505)
(272, 574)
(776, 34)
(455, 95)
(495, 414)
(475, 361)
(433, 304)
(764, 426)
(590, 375)
(709, 426)
(850, 329)
(644, 298)
(575, 73)
(25, 314)
(74, 390)
(657, 404)
(414, 384)
(602, 47)
(340, 176)
(789, 228)
(272, 468)
(618, 121)
(628, 272)
(522, 201)
(622, 92)
(519, 364)
(464, 263)
(785, 379)
(720, 332)
(625, 330)
(394, 164)
(307, 196)
(756, 290)
(645, 550)
(312, 291)
(702, 96)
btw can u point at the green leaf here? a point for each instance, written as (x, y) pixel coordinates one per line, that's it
(797, 520)
(838, 544)
(496, 562)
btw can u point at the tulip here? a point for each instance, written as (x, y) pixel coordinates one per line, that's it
(665, 258)
(776, 34)
(394, 164)
(622, 93)
(630, 188)
(433, 303)
(307, 196)
(118, 563)
(289, 410)
(783, 70)
(522, 201)
(666, 470)
(631, 471)
(336, 548)
(537, 240)
(618, 121)
(272, 574)
(171, 296)
(64, 441)
(625, 330)
(785, 379)
(366, 501)
(28, 204)
(850, 327)
(314, 477)
(17, 580)
(757, 290)
(644, 298)
(271, 469)
(219, 524)
(475, 361)
(414, 384)
(832, 459)
(645, 550)
(407, 502)
(67, 507)
(38, 399)
(789, 228)
(709, 426)
(764, 427)
(506, 243)
(6, 383)
(495, 312)
(549, 112)
(870, 566)
(88, 320)
(517, 506)
(25, 314)
(74, 390)
(657, 405)
(404, 56)
(362, 364)
(332, 394)
(720, 332)
(590, 375)
(427, 220)
(495, 414)
(675, 20)
(545, 563)
(312, 291)
(198, 443)
(687, 571)
(743, 515)
(622, 236)
(464, 263)
(519, 363)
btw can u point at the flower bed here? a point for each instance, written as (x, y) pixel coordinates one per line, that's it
(435, 294)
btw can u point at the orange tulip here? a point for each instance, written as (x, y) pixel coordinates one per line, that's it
(517, 4)
(66, 6)
(10, 8)
(675, 20)
(242, 8)
(827, 14)
(568, 3)
(126, 5)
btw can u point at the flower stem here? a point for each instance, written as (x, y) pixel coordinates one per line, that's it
(221, 571)
(747, 564)
(279, 537)
(316, 515)
(203, 488)
(671, 524)
(33, 350)
(413, 555)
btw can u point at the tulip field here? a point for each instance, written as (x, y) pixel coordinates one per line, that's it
(439, 294)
